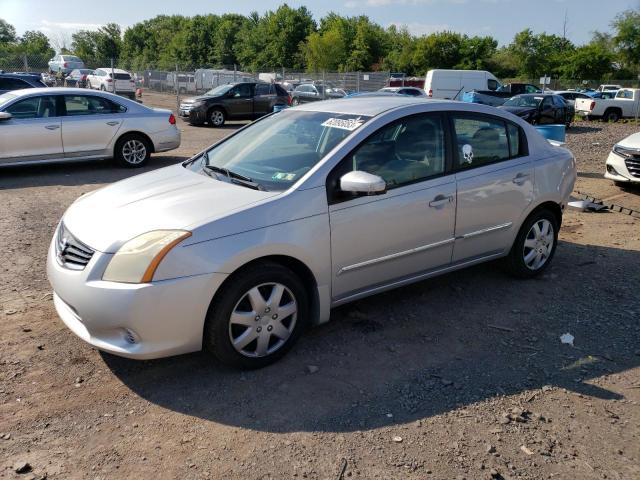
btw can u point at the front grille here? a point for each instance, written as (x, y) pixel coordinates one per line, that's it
(71, 252)
(633, 165)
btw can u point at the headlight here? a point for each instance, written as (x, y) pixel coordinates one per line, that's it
(137, 260)
(625, 152)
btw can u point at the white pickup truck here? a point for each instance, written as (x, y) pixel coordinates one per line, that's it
(624, 104)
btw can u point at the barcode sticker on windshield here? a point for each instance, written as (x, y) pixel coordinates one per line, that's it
(344, 123)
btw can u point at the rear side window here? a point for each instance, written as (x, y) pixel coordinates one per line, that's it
(90, 105)
(33, 107)
(264, 89)
(480, 141)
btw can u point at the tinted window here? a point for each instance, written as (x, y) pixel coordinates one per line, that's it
(492, 84)
(405, 151)
(480, 141)
(34, 107)
(13, 84)
(547, 103)
(90, 105)
(263, 89)
(558, 101)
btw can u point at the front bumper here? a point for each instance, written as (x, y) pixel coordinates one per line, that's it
(140, 321)
(198, 115)
(616, 170)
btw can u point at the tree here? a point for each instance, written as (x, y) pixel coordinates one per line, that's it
(589, 62)
(35, 43)
(627, 37)
(541, 54)
(438, 50)
(7, 33)
(323, 51)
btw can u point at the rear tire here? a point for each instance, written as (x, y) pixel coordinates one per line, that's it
(611, 115)
(256, 317)
(295, 102)
(132, 151)
(535, 245)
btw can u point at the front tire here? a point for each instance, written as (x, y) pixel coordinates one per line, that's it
(256, 317)
(216, 117)
(534, 246)
(132, 151)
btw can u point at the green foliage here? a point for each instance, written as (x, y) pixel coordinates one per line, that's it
(289, 37)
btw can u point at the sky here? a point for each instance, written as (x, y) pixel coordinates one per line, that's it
(500, 18)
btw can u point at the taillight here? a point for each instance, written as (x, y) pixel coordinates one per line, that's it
(172, 119)
(66, 64)
(430, 93)
(289, 100)
(592, 106)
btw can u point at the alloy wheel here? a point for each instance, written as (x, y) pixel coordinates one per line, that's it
(263, 320)
(134, 151)
(538, 245)
(217, 118)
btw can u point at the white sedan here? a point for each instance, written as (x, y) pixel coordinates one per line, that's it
(242, 247)
(41, 125)
(623, 163)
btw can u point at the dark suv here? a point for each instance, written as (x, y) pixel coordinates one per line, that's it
(18, 81)
(236, 101)
(313, 92)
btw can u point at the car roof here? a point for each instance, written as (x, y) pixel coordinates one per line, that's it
(368, 106)
(55, 90)
(115, 70)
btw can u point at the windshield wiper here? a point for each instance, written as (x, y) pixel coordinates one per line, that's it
(234, 177)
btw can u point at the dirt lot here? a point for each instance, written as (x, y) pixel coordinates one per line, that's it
(463, 376)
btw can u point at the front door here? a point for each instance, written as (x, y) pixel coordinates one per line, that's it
(239, 102)
(494, 182)
(33, 133)
(376, 240)
(90, 124)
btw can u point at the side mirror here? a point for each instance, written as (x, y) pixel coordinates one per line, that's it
(5, 116)
(362, 182)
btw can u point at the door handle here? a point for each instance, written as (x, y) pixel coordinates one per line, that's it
(112, 123)
(520, 178)
(440, 200)
(52, 127)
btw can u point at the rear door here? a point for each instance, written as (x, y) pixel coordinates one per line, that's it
(33, 132)
(89, 125)
(494, 184)
(264, 99)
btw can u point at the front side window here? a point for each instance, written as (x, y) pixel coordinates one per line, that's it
(628, 94)
(402, 152)
(277, 151)
(547, 103)
(481, 141)
(89, 105)
(33, 107)
(492, 84)
(242, 91)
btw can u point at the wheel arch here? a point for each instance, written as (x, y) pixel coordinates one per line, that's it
(553, 207)
(135, 132)
(218, 106)
(296, 266)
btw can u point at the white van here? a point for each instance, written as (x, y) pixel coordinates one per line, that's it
(447, 83)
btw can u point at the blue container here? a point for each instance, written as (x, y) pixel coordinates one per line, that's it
(278, 108)
(552, 132)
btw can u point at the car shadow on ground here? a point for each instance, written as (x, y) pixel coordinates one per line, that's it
(78, 173)
(578, 129)
(423, 350)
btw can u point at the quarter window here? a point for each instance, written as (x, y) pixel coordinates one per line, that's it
(403, 152)
(481, 141)
(33, 107)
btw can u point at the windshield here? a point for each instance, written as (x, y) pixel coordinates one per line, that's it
(4, 98)
(219, 90)
(524, 101)
(278, 150)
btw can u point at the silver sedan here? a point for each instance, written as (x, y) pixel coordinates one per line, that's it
(41, 125)
(242, 247)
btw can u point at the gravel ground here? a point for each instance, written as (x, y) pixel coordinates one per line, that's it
(463, 376)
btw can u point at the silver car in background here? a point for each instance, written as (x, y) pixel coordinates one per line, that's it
(65, 64)
(41, 125)
(240, 248)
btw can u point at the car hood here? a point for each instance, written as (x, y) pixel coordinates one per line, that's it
(519, 111)
(200, 98)
(632, 141)
(169, 198)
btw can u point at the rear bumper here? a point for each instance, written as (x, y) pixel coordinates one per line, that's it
(168, 139)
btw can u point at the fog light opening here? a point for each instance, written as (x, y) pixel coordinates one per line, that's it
(131, 337)
(612, 170)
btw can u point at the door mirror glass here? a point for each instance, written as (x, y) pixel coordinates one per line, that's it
(5, 116)
(362, 182)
